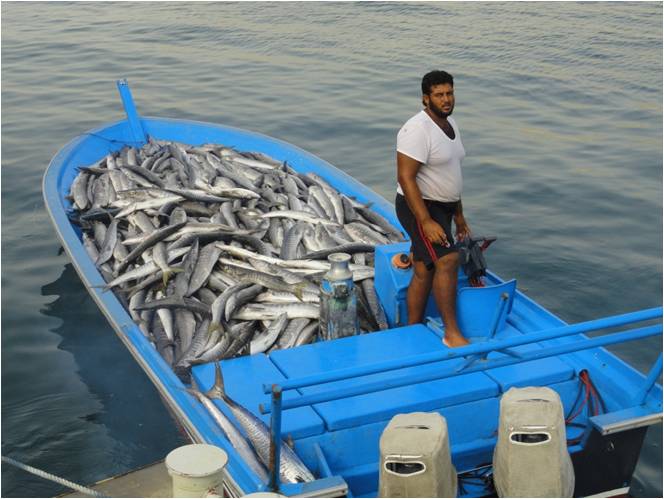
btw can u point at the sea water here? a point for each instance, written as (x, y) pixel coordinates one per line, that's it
(560, 111)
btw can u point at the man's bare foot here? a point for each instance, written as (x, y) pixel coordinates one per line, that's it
(455, 341)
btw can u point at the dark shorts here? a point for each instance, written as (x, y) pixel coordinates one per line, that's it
(423, 250)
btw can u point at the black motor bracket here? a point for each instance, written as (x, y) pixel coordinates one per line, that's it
(471, 257)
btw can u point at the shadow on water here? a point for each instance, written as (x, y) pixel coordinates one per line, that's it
(125, 424)
(104, 364)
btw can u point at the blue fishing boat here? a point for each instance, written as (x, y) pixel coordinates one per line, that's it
(334, 399)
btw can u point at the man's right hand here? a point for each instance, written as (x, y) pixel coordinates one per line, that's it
(434, 232)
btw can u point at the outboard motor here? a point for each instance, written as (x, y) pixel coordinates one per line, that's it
(531, 457)
(338, 299)
(415, 459)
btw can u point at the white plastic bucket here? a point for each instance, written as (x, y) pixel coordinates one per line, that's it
(196, 469)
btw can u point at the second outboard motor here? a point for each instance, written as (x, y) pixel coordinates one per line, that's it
(338, 300)
(531, 457)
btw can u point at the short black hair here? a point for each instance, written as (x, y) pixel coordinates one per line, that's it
(435, 78)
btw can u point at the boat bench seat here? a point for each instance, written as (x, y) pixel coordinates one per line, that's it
(244, 378)
(373, 348)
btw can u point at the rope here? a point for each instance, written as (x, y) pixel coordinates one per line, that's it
(53, 478)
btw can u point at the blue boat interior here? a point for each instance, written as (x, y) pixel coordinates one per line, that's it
(338, 439)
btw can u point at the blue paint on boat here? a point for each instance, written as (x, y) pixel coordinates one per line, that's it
(338, 438)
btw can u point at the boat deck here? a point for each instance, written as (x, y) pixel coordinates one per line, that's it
(341, 435)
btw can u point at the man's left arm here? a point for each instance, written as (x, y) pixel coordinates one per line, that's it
(462, 229)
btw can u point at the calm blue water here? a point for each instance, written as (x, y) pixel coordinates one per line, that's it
(560, 109)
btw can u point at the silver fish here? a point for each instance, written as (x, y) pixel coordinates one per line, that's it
(271, 296)
(207, 258)
(185, 324)
(237, 440)
(258, 311)
(293, 329)
(291, 467)
(299, 215)
(110, 241)
(291, 242)
(188, 266)
(151, 203)
(240, 298)
(307, 334)
(219, 306)
(267, 339)
(152, 239)
(79, 189)
(160, 257)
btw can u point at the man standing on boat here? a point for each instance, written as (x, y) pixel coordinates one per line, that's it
(429, 154)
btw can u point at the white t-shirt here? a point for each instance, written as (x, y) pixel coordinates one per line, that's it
(439, 178)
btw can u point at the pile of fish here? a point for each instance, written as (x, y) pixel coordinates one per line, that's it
(217, 253)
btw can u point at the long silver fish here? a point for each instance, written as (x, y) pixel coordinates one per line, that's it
(299, 215)
(237, 440)
(144, 270)
(151, 203)
(151, 240)
(110, 241)
(266, 340)
(79, 191)
(241, 298)
(291, 467)
(258, 311)
(207, 258)
(291, 242)
(293, 329)
(160, 257)
(267, 280)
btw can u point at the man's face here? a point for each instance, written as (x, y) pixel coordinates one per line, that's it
(441, 100)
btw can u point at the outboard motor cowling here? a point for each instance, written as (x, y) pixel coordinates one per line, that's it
(415, 459)
(531, 457)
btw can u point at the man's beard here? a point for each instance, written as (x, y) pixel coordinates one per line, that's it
(439, 112)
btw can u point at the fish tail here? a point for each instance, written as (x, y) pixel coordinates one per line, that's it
(165, 276)
(217, 391)
(194, 386)
(298, 289)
